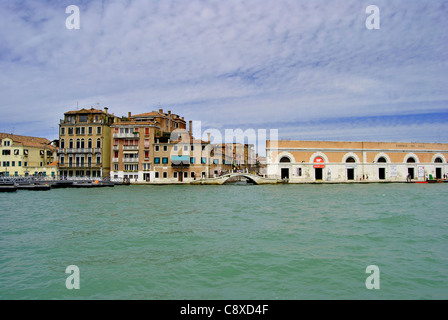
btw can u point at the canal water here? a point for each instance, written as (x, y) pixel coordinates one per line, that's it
(285, 242)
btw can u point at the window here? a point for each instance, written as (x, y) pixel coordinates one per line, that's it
(62, 131)
(98, 130)
(438, 160)
(83, 118)
(20, 163)
(175, 175)
(175, 148)
(192, 147)
(382, 160)
(165, 175)
(203, 148)
(98, 142)
(89, 144)
(25, 164)
(13, 163)
(203, 160)
(98, 159)
(164, 160)
(157, 160)
(62, 144)
(185, 148)
(192, 174)
(185, 174)
(285, 160)
(156, 175)
(350, 160)
(70, 131)
(147, 131)
(165, 148)
(7, 143)
(78, 143)
(410, 160)
(215, 161)
(115, 167)
(156, 148)
(83, 143)
(83, 130)
(90, 130)
(41, 164)
(78, 130)
(192, 160)
(6, 152)
(299, 172)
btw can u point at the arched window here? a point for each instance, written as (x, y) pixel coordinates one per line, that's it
(410, 160)
(438, 160)
(285, 160)
(350, 160)
(83, 143)
(62, 144)
(89, 144)
(382, 160)
(98, 143)
(78, 143)
(70, 144)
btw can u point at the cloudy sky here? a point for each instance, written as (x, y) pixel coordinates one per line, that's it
(309, 68)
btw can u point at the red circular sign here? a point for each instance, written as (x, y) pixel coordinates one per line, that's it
(320, 162)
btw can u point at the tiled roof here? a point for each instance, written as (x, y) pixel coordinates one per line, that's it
(27, 141)
(84, 111)
(148, 114)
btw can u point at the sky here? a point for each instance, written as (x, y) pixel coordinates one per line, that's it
(309, 68)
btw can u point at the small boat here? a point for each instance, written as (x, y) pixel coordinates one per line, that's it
(7, 186)
(34, 187)
(62, 184)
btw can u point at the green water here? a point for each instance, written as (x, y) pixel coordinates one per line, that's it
(226, 242)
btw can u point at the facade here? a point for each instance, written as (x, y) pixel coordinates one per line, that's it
(235, 156)
(310, 161)
(156, 147)
(23, 156)
(84, 143)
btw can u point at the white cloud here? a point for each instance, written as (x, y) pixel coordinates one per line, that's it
(223, 62)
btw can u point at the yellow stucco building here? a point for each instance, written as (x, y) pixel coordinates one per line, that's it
(22, 156)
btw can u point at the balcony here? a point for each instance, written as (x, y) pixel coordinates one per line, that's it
(130, 148)
(76, 150)
(132, 135)
(97, 150)
(80, 165)
(130, 160)
(115, 148)
(115, 160)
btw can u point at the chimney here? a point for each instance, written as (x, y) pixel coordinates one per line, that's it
(129, 114)
(160, 110)
(106, 109)
(169, 111)
(191, 127)
(208, 135)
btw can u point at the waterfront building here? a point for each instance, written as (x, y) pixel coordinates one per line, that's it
(84, 143)
(310, 161)
(23, 156)
(156, 147)
(236, 156)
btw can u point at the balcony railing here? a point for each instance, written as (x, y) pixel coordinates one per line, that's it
(76, 150)
(130, 160)
(80, 165)
(130, 148)
(115, 160)
(126, 135)
(115, 148)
